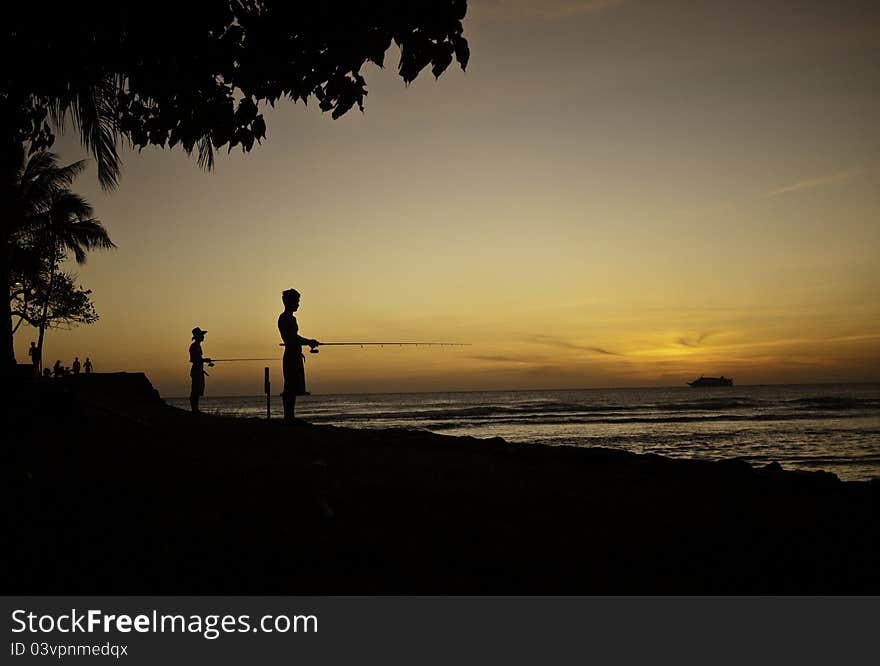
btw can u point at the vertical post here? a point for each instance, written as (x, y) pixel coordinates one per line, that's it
(266, 389)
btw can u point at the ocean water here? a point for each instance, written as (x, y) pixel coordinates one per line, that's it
(828, 426)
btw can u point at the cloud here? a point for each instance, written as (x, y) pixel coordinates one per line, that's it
(599, 350)
(503, 359)
(542, 9)
(695, 342)
(839, 177)
(565, 344)
(855, 338)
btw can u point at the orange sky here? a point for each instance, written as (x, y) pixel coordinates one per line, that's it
(616, 193)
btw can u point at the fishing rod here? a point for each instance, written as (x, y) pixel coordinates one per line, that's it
(354, 344)
(314, 350)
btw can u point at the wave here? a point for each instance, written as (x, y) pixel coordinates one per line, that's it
(714, 404)
(701, 410)
(488, 417)
(835, 403)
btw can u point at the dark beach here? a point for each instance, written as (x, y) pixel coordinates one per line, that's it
(111, 491)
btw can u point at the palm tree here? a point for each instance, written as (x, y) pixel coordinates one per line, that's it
(89, 106)
(53, 222)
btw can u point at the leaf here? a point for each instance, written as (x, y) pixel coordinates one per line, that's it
(246, 111)
(258, 127)
(462, 52)
(442, 58)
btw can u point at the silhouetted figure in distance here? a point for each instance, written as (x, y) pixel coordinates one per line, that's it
(57, 370)
(76, 365)
(197, 372)
(293, 363)
(88, 366)
(34, 353)
(47, 373)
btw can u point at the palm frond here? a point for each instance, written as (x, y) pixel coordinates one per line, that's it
(67, 205)
(42, 179)
(92, 112)
(51, 220)
(206, 153)
(83, 236)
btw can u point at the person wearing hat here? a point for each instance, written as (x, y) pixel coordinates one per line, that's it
(197, 373)
(292, 364)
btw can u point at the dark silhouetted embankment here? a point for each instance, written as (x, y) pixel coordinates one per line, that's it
(112, 491)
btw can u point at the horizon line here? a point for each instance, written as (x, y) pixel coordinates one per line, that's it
(538, 390)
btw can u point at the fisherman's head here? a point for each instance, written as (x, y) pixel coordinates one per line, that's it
(198, 334)
(290, 298)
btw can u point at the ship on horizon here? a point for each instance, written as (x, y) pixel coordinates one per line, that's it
(712, 381)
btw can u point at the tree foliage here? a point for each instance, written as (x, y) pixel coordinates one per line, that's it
(193, 74)
(52, 223)
(51, 220)
(52, 302)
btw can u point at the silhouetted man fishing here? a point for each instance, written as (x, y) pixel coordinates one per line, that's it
(293, 363)
(197, 372)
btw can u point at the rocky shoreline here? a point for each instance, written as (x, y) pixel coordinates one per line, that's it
(111, 491)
